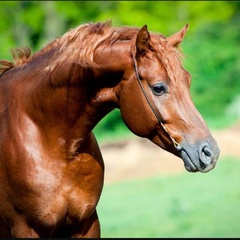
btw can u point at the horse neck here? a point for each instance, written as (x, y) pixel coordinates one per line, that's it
(107, 77)
(104, 80)
(73, 99)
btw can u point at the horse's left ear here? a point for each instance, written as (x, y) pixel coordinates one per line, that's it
(143, 40)
(177, 38)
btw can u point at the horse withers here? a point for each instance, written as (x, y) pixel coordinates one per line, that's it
(51, 168)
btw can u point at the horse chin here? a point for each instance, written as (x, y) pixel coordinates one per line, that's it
(188, 164)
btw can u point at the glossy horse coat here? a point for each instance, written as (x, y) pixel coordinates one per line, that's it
(51, 168)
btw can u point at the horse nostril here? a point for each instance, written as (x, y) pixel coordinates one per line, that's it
(206, 152)
(206, 155)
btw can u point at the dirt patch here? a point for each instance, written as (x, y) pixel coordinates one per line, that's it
(137, 157)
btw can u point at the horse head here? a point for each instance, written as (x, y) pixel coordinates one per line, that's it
(155, 101)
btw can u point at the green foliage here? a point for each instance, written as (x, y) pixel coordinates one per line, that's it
(214, 65)
(111, 127)
(176, 206)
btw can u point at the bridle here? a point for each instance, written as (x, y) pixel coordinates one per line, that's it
(175, 144)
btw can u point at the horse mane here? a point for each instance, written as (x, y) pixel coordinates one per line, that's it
(21, 56)
(86, 38)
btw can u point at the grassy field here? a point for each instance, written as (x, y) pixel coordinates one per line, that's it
(188, 205)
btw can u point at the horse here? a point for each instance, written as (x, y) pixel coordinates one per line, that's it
(51, 166)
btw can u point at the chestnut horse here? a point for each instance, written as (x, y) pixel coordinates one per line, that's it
(51, 168)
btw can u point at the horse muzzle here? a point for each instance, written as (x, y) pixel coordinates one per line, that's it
(201, 156)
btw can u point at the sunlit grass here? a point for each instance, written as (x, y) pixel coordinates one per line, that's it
(182, 205)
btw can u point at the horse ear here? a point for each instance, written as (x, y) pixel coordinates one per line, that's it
(177, 38)
(143, 40)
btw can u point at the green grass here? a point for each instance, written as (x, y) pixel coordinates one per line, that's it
(180, 205)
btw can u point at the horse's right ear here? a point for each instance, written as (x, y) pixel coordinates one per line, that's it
(142, 41)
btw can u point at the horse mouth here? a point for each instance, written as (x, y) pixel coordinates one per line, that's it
(201, 156)
(195, 165)
(188, 164)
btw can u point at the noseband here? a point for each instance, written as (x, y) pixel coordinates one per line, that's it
(175, 144)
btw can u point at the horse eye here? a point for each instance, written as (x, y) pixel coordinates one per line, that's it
(159, 89)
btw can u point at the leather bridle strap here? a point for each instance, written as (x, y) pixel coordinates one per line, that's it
(176, 144)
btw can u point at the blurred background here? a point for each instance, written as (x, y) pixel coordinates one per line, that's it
(147, 192)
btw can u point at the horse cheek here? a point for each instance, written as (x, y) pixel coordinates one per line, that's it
(134, 110)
